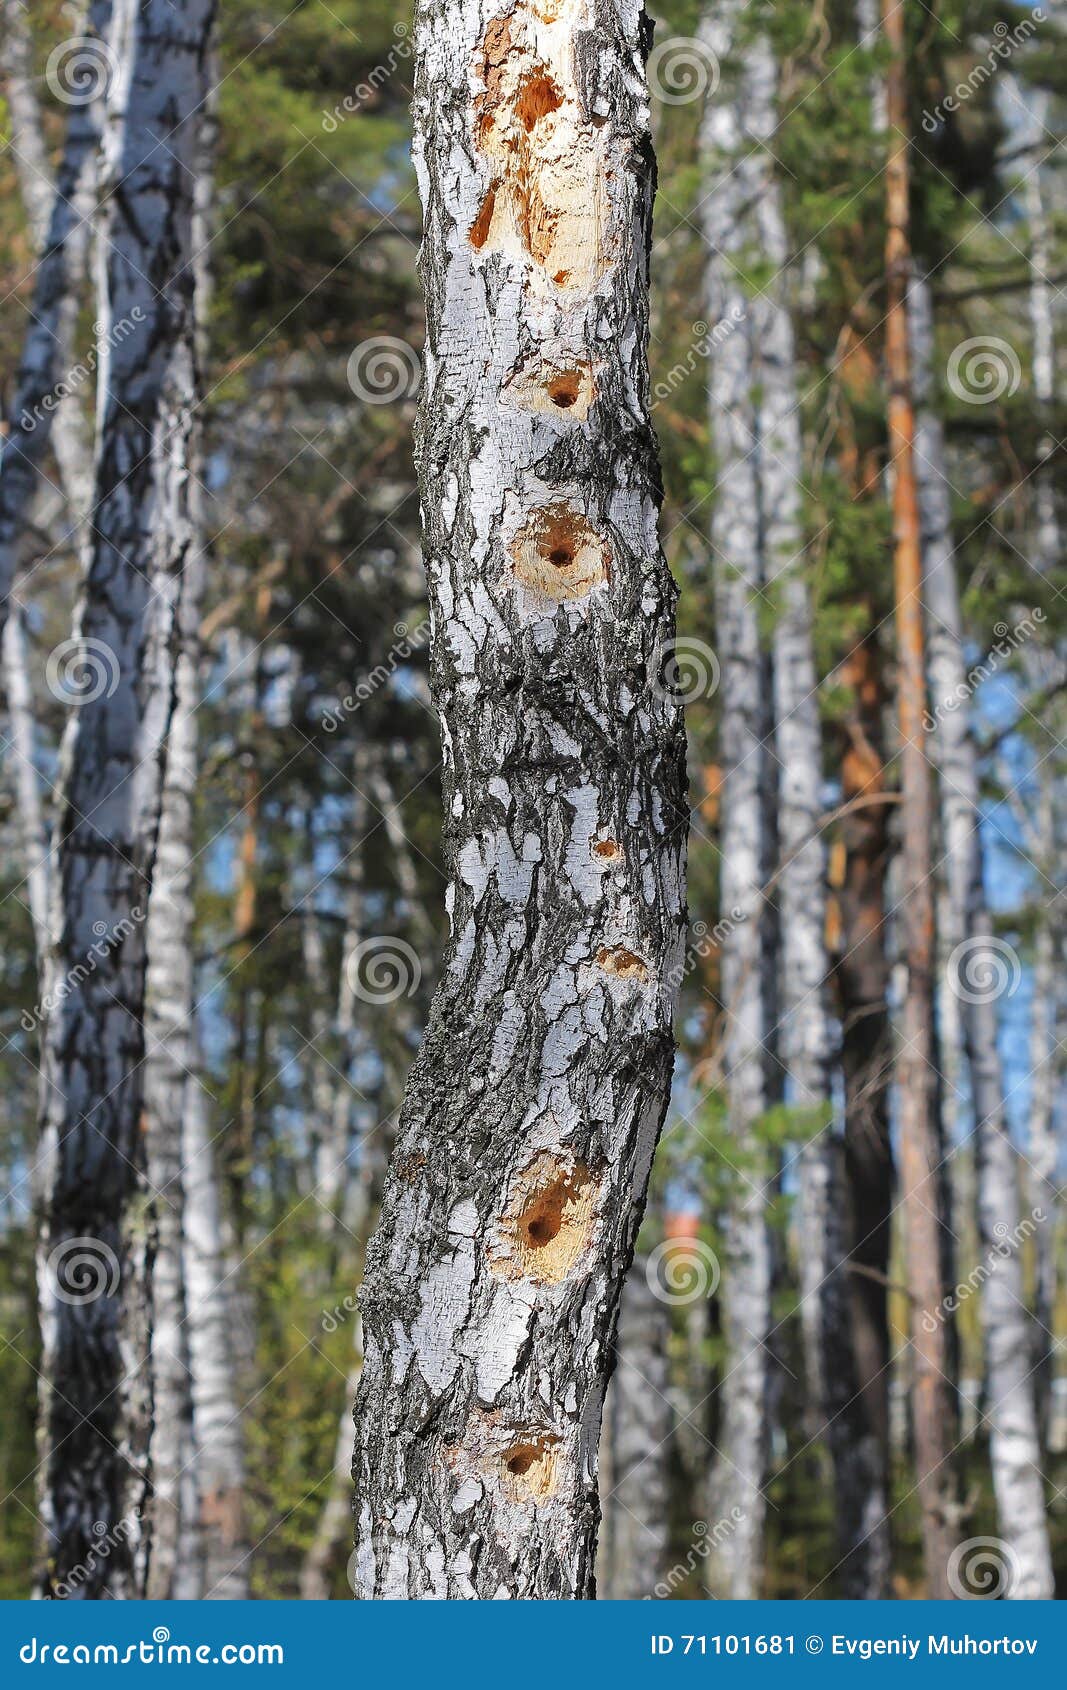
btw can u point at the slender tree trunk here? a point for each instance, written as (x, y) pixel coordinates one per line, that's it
(96, 1238)
(533, 1110)
(806, 1035)
(862, 974)
(1043, 1151)
(330, 1541)
(26, 781)
(48, 349)
(920, 1142)
(168, 1074)
(746, 850)
(638, 1421)
(1015, 1451)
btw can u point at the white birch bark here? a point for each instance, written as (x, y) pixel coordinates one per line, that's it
(533, 1110)
(96, 1401)
(63, 220)
(735, 182)
(27, 783)
(1014, 1444)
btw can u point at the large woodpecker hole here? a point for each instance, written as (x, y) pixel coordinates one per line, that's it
(559, 554)
(547, 1229)
(549, 201)
(530, 1470)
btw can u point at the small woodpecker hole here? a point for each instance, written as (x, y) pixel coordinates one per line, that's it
(623, 964)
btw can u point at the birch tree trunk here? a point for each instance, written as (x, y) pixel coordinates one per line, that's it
(27, 783)
(168, 1074)
(48, 349)
(97, 1226)
(746, 851)
(806, 1034)
(1043, 1149)
(532, 1113)
(1014, 1445)
(920, 1144)
(638, 1420)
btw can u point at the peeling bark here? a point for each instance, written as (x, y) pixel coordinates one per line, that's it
(97, 1400)
(532, 1112)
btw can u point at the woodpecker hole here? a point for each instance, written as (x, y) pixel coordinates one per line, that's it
(559, 554)
(548, 1226)
(530, 1470)
(624, 964)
